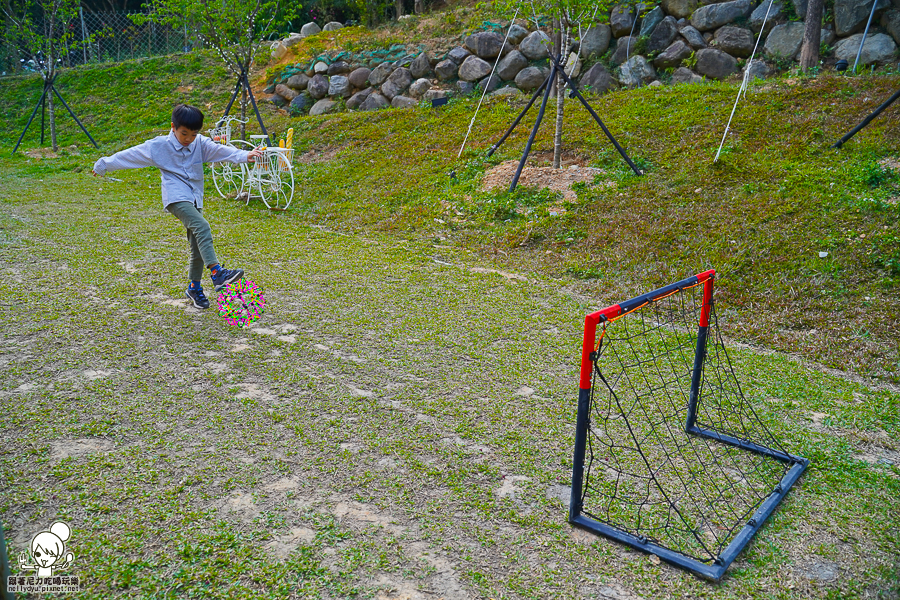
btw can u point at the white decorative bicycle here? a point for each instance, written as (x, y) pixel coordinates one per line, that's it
(270, 178)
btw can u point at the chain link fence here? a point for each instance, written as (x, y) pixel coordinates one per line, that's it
(115, 37)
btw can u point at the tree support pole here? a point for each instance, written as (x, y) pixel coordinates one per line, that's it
(49, 88)
(243, 82)
(865, 33)
(534, 97)
(237, 88)
(255, 108)
(71, 112)
(537, 124)
(575, 93)
(40, 103)
(867, 120)
(43, 113)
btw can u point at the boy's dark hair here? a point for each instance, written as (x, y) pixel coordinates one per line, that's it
(187, 116)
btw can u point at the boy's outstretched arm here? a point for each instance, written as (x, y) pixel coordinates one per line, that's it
(215, 152)
(130, 158)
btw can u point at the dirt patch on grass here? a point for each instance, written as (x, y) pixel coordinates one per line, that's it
(41, 153)
(61, 449)
(319, 155)
(559, 180)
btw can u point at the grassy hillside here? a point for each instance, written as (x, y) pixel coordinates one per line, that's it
(777, 198)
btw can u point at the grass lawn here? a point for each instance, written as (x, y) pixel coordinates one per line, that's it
(400, 423)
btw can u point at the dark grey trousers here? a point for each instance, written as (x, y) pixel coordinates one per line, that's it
(199, 237)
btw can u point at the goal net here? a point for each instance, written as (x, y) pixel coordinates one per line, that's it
(670, 457)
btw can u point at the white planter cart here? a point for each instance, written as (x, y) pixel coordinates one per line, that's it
(270, 178)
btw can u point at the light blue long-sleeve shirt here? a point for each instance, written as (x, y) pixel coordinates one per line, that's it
(180, 167)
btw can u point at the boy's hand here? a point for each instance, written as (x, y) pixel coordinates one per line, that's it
(255, 153)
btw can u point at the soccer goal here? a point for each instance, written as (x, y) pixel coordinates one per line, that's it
(670, 457)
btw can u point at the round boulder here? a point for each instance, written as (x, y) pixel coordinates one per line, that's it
(713, 16)
(693, 37)
(318, 87)
(511, 64)
(489, 83)
(380, 73)
(715, 64)
(465, 87)
(375, 101)
(419, 87)
(685, 75)
(446, 70)
(636, 71)
(758, 70)
(277, 99)
(485, 44)
(680, 9)
(473, 69)
(785, 40)
(673, 55)
(323, 107)
(458, 55)
(359, 78)
(890, 20)
(621, 20)
(663, 34)
(530, 78)
(339, 87)
(736, 41)
(332, 26)
(516, 34)
(397, 83)
(850, 16)
(300, 104)
(595, 42)
(535, 46)
(598, 80)
(421, 66)
(298, 81)
(434, 94)
(358, 98)
(404, 102)
(774, 10)
(338, 68)
(310, 29)
(650, 21)
(879, 48)
(286, 92)
(279, 50)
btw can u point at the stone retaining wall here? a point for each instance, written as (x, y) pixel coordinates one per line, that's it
(679, 41)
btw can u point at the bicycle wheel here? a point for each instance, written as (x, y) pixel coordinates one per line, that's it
(227, 178)
(277, 185)
(243, 173)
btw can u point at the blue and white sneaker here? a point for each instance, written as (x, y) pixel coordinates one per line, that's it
(197, 297)
(225, 276)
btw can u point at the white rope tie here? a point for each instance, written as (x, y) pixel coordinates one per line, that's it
(489, 79)
(745, 82)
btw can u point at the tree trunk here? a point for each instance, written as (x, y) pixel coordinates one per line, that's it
(419, 6)
(560, 98)
(812, 35)
(398, 7)
(52, 114)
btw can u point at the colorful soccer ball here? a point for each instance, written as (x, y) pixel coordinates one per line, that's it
(241, 302)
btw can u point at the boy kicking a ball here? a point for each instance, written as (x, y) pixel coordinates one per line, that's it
(179, 156)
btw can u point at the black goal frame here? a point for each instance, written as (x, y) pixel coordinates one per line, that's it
(715, 570)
